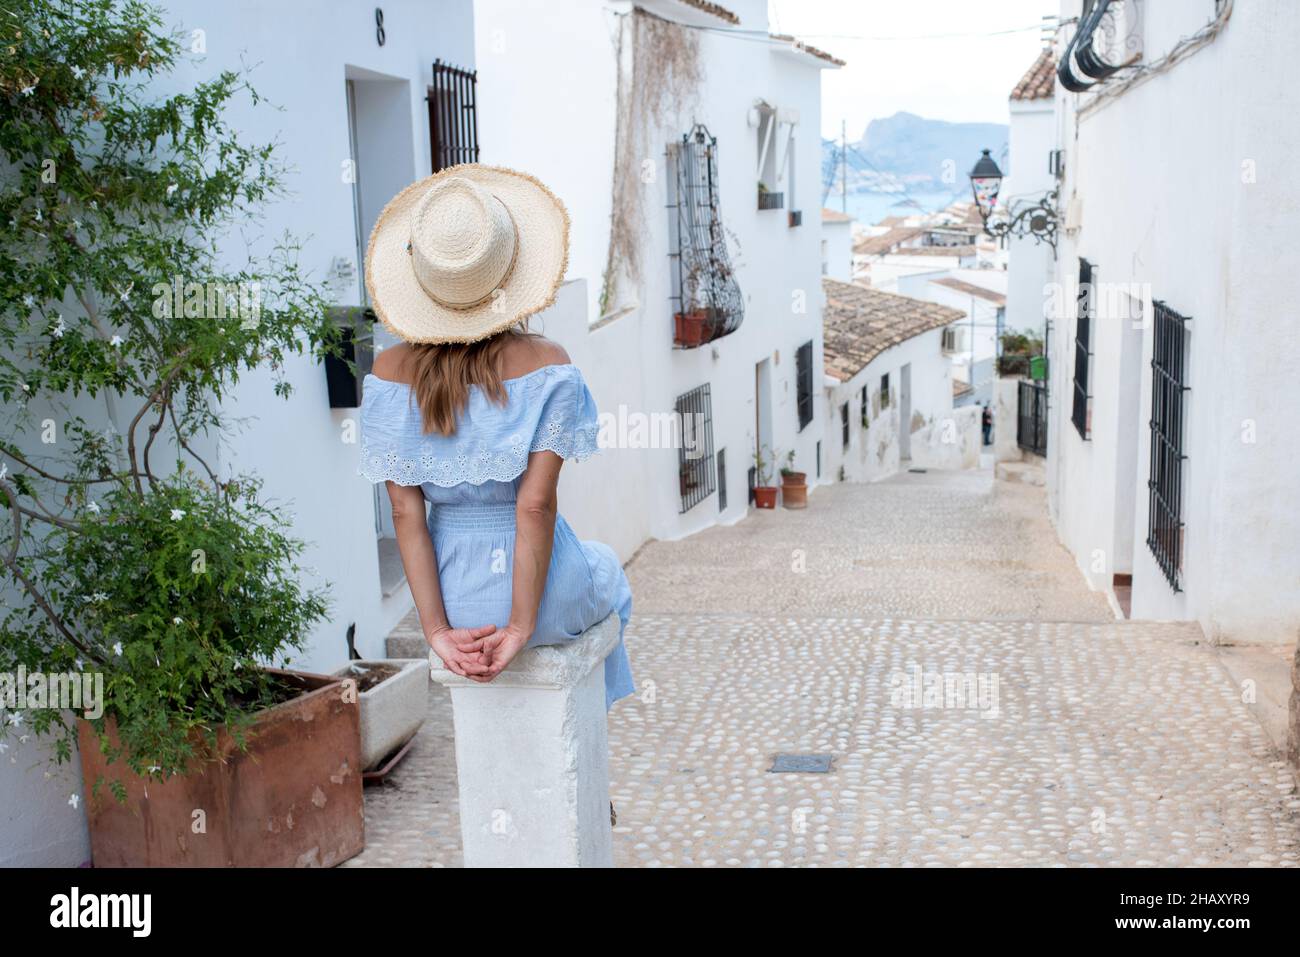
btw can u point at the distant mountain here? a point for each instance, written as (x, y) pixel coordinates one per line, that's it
(912, 152)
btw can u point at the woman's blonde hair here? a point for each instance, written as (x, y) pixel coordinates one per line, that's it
(443, 374)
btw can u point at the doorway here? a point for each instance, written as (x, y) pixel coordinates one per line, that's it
(763, 417)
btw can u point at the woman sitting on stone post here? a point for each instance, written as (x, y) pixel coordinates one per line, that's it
(475, 416)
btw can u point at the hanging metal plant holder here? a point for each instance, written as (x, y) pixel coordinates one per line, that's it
(709, 302)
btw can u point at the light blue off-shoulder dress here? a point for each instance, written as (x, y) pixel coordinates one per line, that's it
(471, 480)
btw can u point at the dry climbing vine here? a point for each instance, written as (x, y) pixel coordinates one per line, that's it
(665, 74)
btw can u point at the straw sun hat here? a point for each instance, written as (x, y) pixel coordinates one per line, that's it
(466, 253)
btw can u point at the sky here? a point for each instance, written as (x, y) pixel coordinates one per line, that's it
(899, 59)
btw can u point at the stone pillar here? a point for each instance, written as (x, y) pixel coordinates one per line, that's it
(532, 756)
(1006, 410)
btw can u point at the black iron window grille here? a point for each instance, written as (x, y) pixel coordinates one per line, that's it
(803, 361)
(695, 460)
(453, 116)
(722, 480)
(708, 300)
(1165, 509)
(844, 424)
(1081, 413)
(1031, 417)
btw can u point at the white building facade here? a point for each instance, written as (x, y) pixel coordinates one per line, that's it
(1170, 452)
(760, 102)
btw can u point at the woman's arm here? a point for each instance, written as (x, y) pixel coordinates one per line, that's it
(459, 648)
(535, 511)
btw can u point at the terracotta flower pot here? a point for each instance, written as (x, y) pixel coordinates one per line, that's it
(293, 799)
(794, 495)
(793, 478)
(691, 329)
(765, 496)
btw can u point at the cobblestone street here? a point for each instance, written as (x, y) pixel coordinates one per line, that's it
(1083, 741)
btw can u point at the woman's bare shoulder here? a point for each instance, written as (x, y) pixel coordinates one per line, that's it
(392, 364)
(528, 354)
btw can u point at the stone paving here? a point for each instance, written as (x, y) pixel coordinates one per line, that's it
(980, 705)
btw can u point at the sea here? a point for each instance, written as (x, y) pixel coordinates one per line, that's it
(871, 208)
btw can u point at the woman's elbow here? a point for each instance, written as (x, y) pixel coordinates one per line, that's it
(537, 507)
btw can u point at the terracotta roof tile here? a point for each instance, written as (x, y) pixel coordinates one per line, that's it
(859, 323)
(835, 216)
(807, 48)
(971, 289)
(1039, 80)
(885, 242)
(716, 9)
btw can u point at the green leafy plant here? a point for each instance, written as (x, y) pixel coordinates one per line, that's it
(1018, 348)
(123, 328)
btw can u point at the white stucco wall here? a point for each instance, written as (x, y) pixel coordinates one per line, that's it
(937, 436)
(1209, 229)
(563, 131)
(837, 239)
(1030, 264)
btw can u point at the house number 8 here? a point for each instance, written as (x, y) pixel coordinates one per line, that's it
(379, 25)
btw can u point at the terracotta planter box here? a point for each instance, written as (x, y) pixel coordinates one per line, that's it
(393, 710)
(293, 799)
(794, 495)
(765, 496)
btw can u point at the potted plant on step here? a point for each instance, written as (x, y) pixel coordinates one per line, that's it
(134, 563)
(794, 489)
(764, 490)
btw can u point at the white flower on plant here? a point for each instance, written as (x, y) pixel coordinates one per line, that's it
(29, 90)
(117, 648)
(172, 188)
(59, 329)
(39, 217)
(76, 223)
(154, 769)
(93, 507)
(178, 514)
(29, 300)
(178, 620)
(16, 719)
(115, 342)
(78, 72)
(26, 387)
(74, 800)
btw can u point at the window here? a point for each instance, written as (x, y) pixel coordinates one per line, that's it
(1165, 508)
(453, 116)
(952, 340)
(695, 453)
(844, 423)
(884, 391)
(803, 373)
(819, 458)
(1081, 414)
(866, 406)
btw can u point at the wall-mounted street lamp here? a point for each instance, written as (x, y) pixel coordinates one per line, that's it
(1037, 219)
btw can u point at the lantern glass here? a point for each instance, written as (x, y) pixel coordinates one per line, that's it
(986, 181)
